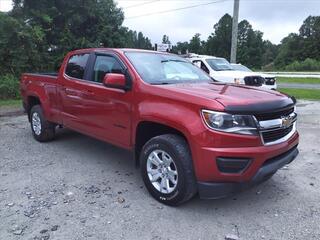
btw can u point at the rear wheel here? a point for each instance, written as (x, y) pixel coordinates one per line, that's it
(167, 169)
(42, 130)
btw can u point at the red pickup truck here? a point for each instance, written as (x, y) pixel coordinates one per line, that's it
(188, 134)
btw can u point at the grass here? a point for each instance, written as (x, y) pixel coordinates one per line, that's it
(298, 80)
(10, 103)
(309, 94)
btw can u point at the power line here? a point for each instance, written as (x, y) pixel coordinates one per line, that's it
(140, 4)
(176, 9)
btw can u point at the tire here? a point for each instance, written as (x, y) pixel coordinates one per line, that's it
(42, 130)
(175, 156)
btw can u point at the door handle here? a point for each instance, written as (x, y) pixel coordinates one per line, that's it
(70, 92)
(88, 93)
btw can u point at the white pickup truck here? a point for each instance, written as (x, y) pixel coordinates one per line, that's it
(222, 71)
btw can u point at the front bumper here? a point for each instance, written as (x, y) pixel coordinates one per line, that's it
(270, 87)
(209, 190)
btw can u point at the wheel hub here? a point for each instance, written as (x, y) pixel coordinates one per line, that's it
(162, 171)
(36, 123)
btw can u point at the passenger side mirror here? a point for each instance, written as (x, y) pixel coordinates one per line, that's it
(115, 80)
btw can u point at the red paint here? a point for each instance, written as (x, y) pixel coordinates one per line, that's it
(114, 79)
(113, 115)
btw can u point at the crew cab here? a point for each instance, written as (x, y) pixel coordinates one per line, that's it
(222, 71)
(188, 134)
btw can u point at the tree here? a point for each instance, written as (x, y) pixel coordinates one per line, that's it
(250, 45)
(165, 39)
(270, 52)
(67, 25)
(19, 46)
(219, 42)
(310, 33)
(195, 45)
(180, 48)
(299, 47)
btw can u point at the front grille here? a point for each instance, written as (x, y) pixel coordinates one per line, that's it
(276, 134)
(273, 115)
(254, 81)
(270, 81)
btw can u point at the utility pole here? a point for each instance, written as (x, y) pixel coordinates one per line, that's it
(234, 40)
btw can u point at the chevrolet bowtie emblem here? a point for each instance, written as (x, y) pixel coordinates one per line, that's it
(286, 122)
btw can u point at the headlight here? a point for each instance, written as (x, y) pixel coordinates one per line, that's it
(237, 80)
(241, 124)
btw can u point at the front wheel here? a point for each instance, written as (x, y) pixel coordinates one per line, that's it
(167, 169)
(42, 130)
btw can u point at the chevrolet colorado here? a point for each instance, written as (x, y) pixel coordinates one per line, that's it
(188, 134)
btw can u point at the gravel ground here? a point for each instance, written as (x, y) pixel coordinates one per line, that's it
(79, 188)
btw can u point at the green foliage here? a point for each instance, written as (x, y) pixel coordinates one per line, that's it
(219, 42)
(252, 50)
(256, 53)
(299, 47)
(310, 94)
(250, 45)
(36, 34)
(306, 65)
(195, 45)
(298, 80)
(136, 40)
(165, 39)
(9, 87)
(10, 103)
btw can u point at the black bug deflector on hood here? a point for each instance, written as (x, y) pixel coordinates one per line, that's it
(257, 108)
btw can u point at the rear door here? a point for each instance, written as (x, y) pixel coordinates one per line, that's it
(71, 90)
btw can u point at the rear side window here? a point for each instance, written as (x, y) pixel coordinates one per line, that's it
(104, 65)
(76, 65)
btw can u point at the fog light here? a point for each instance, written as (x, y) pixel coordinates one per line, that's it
(232, 165)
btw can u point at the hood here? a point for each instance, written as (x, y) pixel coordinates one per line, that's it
(234, 98)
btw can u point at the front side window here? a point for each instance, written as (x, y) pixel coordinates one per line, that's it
(76, 65)
(201, 65)
(104, 65)
(158, 68)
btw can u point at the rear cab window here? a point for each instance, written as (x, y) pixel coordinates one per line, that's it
(76, 65)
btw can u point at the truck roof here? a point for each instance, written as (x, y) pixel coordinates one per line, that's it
(119, 50)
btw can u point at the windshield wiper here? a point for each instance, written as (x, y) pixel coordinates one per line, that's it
(160, 83)
(173, 60)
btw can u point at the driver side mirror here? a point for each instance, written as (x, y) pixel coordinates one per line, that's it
(115, 80)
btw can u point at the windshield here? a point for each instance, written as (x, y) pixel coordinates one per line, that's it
(240, 67)
(158, 68)
(219, 64)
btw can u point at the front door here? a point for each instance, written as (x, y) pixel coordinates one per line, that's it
(107, 111)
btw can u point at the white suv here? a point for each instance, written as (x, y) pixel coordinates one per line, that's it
(222, 71)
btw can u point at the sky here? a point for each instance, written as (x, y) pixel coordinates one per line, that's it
(275, 18)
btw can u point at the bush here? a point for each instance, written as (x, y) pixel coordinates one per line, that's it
(9, 87)
(306, 65)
